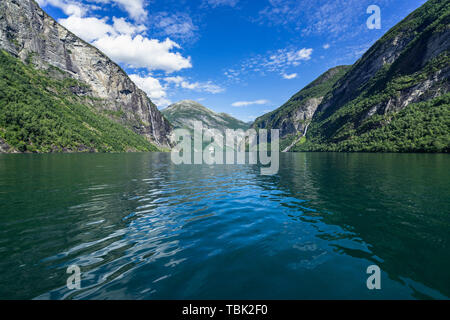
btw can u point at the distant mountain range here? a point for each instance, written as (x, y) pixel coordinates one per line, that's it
(60, 94)
(394, 99)
(183, 114)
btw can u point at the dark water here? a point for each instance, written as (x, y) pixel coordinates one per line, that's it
(142, 228)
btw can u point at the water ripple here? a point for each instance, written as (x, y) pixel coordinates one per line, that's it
(141, 228)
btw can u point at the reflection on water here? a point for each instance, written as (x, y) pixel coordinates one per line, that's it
(142, 228)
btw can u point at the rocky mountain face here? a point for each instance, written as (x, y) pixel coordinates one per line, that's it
(183, 114)
(4, 147)
(294, 116)
(395, 98)
(44, 111)
(405, 50)
(28, 33)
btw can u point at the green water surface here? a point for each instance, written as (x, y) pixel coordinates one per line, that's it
(141, 227)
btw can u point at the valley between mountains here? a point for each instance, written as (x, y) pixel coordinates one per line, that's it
(61, 94)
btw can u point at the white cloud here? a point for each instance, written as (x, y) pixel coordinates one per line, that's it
(126, 43)
(134, 8)
(218, 3)
(119, 42)
(326, 46)
(92, 28)
(334, 18)
(67, 6)
(88, 29)
(176, 80)
(140, 52)
(155, 91)
(123, 27)
(290, 76)
(196, 86)
(233, 75)
(249, 103)
(175, 25)
(275, 61)
(284, 57)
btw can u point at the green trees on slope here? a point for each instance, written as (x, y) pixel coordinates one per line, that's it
(366, 117)
(318, 88)
(420, 127)
(41, 114)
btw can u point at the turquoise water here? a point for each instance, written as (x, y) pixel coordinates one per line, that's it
(140, 227)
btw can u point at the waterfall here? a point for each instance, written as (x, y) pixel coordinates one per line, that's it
(297, 140)
(153, 123)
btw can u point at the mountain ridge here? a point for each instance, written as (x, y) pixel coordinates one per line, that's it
(184, 113)
(403, 77)
(293, 117)
(27, 32)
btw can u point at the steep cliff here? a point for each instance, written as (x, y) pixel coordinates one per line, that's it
(40, 113)
(28, 33)
(395, 98)
(183, 114)
(294, 116)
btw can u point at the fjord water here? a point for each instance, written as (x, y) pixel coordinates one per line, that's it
(141, 227)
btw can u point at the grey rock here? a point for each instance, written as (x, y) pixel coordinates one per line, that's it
(4, 147)
(184, 113)
(28, 32)
(296, 114)
(387, 53)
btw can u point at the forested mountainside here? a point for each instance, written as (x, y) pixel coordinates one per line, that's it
(183, 114)
(50, 53)
(394, 99)
(40, 113)
(294, 116)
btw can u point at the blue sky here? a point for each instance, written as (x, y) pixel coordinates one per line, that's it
(242, 57)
